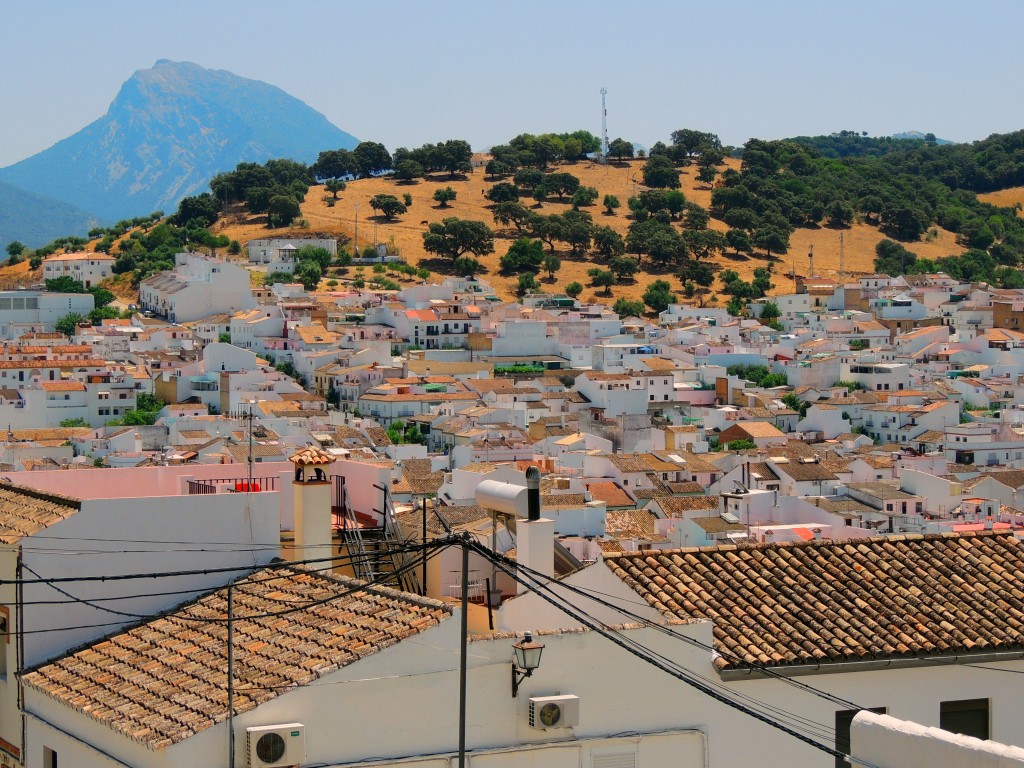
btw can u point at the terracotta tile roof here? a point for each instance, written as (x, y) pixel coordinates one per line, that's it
(62, 386)
(715, 524)
(166, 680)
(687, 487)
(832, 601)
(311, 455)
(630, 524)
(24, 511)
(562, 500)
(805, 472)
(631, 462)
(675, 506)
(610, 493)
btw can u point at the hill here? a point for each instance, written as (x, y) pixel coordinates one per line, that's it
(166, 134)
(621, 180)
(34, 220)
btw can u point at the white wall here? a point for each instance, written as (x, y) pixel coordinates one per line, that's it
(882, 741)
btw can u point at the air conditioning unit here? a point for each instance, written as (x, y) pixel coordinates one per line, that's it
(276, 745)
(554, 712)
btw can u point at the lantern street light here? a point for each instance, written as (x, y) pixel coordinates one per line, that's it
(526, 660)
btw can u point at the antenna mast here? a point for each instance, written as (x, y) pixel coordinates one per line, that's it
(842, 261)
(604, 121)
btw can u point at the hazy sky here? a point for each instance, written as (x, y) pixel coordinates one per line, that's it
(405, 73)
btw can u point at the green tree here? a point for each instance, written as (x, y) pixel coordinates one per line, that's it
(583, 196)
(503, 193)
(659, 295)
(551, 265)
(706, 174)
(512, 212)
(527, 283)
(608, 243)
(610, 203)
(282, 210)
(624, 267)
(408, 171)
(741, 445)
(524, 254)
(453, 237)
(308, 273)
(371, 157)
(15, 248)
(73, 423)
(388, 205)
(624, 307)
(68, 324)
(573, 289)
(602, 278)
(224, 338)
(334, 186)
(769, 312)
(315, 253)
(98, 314)
(407, 199)
(660, 172)
(620, 149)
(198, 211)
(63, 284)
(444, 196)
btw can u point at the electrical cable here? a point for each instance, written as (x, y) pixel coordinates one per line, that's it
(613, 637)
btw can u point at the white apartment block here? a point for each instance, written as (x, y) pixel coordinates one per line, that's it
(89, 269)
(197, 287)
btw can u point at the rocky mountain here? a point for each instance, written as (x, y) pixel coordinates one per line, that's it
(167, 133)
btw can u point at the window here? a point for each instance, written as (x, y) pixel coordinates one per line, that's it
(844, 719)
(967, 716)
(49, 758)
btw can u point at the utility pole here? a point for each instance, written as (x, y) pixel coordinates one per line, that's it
(355, 235)
(604, 122)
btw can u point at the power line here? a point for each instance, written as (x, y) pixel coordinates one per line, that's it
(646, 655)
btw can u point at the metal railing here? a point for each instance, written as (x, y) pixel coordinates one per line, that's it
(232, 485)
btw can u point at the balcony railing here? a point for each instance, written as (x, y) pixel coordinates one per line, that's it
(232, 485)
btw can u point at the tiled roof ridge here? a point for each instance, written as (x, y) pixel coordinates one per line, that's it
(54, 498)
(872, 541)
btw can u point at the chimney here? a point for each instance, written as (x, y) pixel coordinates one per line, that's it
(535, 536)
(311, 499)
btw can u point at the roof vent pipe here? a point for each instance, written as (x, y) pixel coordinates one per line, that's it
(533, 494)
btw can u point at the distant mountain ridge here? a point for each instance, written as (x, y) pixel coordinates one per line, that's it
(34, 220)
(166, 134)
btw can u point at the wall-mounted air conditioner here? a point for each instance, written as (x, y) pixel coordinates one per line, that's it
(554, 712)
(276, 745)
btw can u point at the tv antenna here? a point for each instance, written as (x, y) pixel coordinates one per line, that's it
(604, 121)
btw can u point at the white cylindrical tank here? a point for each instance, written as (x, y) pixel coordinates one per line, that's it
(503, 497)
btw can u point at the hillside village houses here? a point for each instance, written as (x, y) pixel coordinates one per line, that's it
(612, 481)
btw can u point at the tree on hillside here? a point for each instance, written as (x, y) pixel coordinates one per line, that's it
(660, 172)
(503, 193)
(282, 210)
(524, 254)
(334, 186)
(610, 203)
(408, 171)
(602, 278)
(573, 289)
(444, 196)
(15, 248)
(512, 212)
(388, 205)
(308, 273)
(551, 265)
(624, 307)
(453, 238)
(624, 267)
(371, 157)
(197, 211)
(334, 164)
(659, 295)
(620, 149)
(608, 243)
(527, 283)
(584, 196)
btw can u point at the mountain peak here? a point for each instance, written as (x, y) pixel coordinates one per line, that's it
(168, 131)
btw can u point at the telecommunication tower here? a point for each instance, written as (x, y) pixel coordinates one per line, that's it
(604, 121)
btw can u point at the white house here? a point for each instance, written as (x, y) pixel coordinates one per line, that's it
(197, 287)
(86, 268)
(23, 312)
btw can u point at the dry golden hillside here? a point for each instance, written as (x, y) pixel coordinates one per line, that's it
(1014, 196)
(620, 180)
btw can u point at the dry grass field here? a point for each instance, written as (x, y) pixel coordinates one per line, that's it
(620, 180)
(1005, 197)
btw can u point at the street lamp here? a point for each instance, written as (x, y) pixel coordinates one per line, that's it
(526, 659)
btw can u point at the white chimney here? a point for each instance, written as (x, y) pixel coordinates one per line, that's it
(535, 536)
(311, 495)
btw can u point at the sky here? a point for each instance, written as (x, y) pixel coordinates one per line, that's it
(409, 72)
